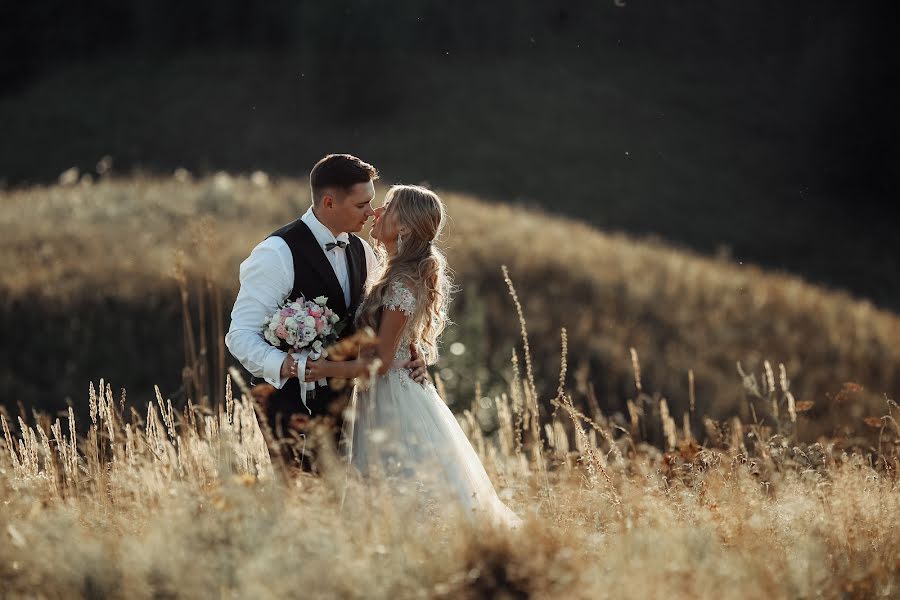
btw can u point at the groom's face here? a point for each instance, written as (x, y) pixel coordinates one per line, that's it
(349, 211)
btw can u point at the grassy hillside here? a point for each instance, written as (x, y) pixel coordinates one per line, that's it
(711, 154)
(89, 291)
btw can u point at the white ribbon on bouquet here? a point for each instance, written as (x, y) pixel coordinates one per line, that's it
(307, 386)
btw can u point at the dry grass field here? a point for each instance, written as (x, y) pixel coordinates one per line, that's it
(168, 504)
(599, 384)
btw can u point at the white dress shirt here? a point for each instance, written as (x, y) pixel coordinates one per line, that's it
(267, 277)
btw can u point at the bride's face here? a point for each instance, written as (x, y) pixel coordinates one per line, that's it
(386, 228)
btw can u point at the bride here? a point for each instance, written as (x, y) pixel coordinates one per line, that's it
(402, 429)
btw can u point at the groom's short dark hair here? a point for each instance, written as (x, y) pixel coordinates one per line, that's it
(341, 171)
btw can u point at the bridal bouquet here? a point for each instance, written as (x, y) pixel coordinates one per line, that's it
(304, 327)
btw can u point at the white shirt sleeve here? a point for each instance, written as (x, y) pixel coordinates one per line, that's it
(267, 277)
(372, 265)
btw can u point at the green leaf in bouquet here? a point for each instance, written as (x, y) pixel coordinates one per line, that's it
(339, 327)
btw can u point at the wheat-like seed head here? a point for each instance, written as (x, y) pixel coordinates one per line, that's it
(770, 378)
(636, 367)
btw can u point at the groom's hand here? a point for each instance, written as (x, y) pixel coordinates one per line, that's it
(314, 369)
(289, 367)
(416, 365)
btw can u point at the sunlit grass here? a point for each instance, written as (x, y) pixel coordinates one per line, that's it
(189, 504)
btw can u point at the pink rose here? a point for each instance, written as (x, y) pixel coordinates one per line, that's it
(316, 311)
(281, 332)
(287, 312)
(320, 325)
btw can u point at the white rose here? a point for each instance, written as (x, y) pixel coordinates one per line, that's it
(273, 324)
(310, 321)
(271, 337)
(309, 334)
(317, 345)
(321, 300)
(334, 318)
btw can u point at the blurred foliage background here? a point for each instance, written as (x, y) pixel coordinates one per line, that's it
(764, 131)
(749, 132)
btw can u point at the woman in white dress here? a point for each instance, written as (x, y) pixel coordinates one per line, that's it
(403, 430)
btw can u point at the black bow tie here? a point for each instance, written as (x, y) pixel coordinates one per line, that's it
(333, 245)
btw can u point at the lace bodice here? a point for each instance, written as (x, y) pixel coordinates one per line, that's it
(401, 298)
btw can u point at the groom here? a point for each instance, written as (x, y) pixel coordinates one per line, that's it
(315, 255)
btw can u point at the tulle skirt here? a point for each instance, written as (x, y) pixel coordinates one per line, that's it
(404, 433)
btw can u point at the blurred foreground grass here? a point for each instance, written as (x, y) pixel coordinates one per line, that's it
(169, 504)
(91, 289)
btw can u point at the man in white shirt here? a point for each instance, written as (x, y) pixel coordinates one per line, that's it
(316, 255)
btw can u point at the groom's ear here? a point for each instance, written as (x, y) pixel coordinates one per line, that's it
(330, 197)
(327, 201)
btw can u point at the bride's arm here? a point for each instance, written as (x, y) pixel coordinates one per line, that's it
(345, 369)
(389, 334)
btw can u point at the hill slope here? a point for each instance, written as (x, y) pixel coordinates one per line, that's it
(750, 157)
(90, 268)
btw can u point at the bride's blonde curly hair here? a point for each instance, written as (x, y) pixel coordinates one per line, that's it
(418, 263)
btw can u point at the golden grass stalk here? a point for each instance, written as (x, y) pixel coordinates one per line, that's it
(691, 393)
(519, 410)
(670, 431)
(531, 389)
(636, 367)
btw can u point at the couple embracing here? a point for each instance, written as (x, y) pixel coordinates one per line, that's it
(401, 428)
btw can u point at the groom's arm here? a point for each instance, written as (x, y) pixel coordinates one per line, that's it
(372, 266)
(267, 277)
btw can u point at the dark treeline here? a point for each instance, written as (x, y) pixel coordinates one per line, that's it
(38, 33)
(831, 59)
(765, 128)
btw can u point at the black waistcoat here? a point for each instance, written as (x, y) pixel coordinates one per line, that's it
(313, 277)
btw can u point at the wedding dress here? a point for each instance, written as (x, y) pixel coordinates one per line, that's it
(405, 432)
